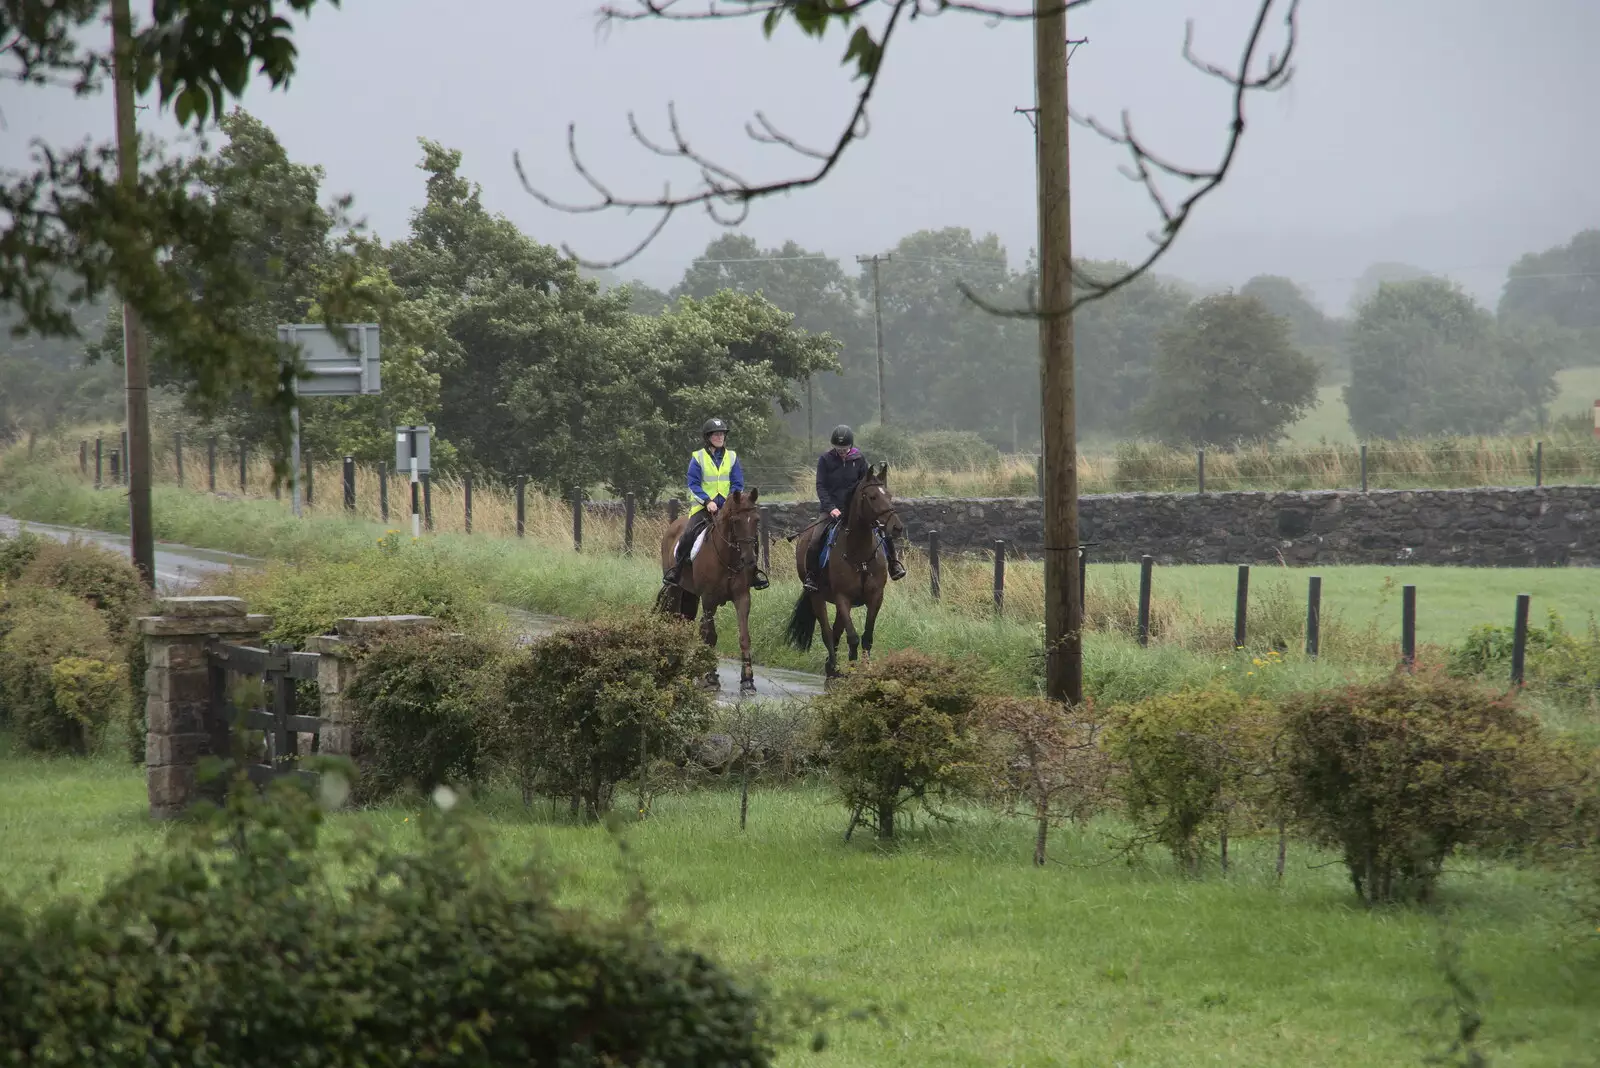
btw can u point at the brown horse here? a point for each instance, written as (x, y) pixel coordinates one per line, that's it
(856, 574)
(720, 572)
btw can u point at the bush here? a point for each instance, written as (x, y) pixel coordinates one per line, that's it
(107, 581)
(1046, 762)
(65, 713)
(426, 710)
(1399, 774)
(16, 553)
(246, 943)
(1561, 665)
(901, 729)
(591, 706)
(1192, 762)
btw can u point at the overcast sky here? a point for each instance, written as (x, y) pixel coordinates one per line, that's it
(1450, 134)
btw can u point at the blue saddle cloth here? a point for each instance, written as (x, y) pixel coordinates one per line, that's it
(833, 532)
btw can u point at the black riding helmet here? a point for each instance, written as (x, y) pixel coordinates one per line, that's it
(842, 435)
(713, 425)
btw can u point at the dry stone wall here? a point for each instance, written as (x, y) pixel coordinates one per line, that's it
(1488, 527)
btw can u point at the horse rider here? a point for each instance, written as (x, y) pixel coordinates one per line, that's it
(714, 473)
(838, 471)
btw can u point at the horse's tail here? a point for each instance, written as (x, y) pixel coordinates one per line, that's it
(802, 623)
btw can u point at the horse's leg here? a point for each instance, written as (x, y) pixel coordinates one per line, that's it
(747, 671)
(830, 635)
(874, 602)
(708, 634)
(844, 620)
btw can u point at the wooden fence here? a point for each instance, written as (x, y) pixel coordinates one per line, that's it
(279, 667)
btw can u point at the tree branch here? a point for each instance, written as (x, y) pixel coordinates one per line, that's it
(1147, 166)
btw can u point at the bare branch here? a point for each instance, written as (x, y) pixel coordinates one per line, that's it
(671, 10)
(720, 188)
(1146, 166)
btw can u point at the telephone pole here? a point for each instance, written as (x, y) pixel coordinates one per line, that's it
(1063, 614)
(877, 316)
(136, 370)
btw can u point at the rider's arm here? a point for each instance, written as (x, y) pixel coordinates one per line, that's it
(736, 477)
(824, 498)
(694, 480)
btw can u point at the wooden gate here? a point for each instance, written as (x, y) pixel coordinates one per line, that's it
(279, 667)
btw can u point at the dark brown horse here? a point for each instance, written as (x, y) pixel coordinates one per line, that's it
(855, 575)
(720, 572)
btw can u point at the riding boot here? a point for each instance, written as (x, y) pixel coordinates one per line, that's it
(897, 570)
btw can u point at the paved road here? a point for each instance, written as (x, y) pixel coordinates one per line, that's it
(179, 567)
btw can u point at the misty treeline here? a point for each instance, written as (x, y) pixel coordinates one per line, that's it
(526, 366)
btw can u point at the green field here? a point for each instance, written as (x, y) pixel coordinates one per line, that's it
(979, 958)
(1330, 420)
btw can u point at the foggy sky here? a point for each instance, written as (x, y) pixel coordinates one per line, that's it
(1454, 135)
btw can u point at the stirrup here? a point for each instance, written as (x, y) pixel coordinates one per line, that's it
(897, 571)
(760, 581)
(809, 583)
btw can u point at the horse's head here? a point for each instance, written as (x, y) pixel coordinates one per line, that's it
(740, 521)
(875, 504)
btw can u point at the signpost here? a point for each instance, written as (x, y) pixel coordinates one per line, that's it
(331, 369)
(412, 453)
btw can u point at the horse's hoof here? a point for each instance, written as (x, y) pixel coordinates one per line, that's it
(747, 687)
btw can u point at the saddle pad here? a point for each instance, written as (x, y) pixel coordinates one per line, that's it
(833, 532)
(694, 550)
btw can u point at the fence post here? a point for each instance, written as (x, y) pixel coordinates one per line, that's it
(1146, 564)
(349, 483)
(177, 452)
(672, 510)
(933, 562)
(1519, 640)
(628, 506)
(211, 464)
(1408, 626)
(1083, 579)
(83, 457)
(244, 458)
(427, 503)
(1314, 616)
(99, 461)
(1200, 469)
(1538, 463)
(466, 492)
(116, 470)
(577, 520)
(125, 457)
(999, 576)
(1363, 467)
(383, 489)
(1241, 607)
(310, 489)
(522, 505)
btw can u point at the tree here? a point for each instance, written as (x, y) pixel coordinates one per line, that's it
(1426, 360)
(1228, 374)
(1558, 290)
(1313, 333)
(1376, 274)
(1118, 341)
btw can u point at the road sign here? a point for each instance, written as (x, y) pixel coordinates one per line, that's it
(403, 437)
(330, 370)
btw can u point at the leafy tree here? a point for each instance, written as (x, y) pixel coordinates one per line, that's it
(1118, 341)
(1425, 360)
(1313, 333)
(1558, 290)
(1376, 274)
(1228, 373)
(73, 232)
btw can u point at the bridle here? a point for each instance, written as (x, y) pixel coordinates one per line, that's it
(722, 537)
(858, 504)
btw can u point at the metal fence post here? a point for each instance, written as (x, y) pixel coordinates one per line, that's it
(628, 506)
(177, 453)
(466, 492)
(349, 483)
(522, 505)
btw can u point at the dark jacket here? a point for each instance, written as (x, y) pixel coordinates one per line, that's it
(837, 477)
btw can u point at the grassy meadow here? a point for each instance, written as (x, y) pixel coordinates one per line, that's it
(976, 957)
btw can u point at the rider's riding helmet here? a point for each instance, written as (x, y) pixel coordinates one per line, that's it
(842, 435)
(712, 426)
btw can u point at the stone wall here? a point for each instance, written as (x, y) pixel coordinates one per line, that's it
(1492, 527)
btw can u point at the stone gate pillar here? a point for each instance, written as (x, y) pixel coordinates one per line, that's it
(336, 669)
(181, 727)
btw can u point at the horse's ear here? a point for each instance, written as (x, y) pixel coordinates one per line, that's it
(735, 497)
(880, 471)
(755, 494)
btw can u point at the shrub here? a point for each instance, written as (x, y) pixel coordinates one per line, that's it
(16, 553)
(107, 581)
(1046, 761)
(590, 706)
(1192, 762)
(900, 729)
(42, 628)
(248, 942)
(426, 710)
(1399, 774)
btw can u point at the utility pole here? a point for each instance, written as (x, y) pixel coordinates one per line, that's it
(136, 370)
(1063, 615)
(877, 315)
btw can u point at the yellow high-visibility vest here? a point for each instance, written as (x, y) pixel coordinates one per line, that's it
(715, 481)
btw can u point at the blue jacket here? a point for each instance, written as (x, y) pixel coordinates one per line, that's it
(736, 476)
(837, 478)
